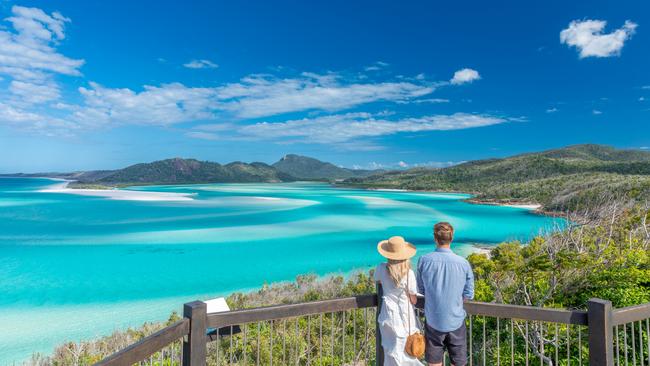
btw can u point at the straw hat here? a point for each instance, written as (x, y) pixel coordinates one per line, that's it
(396, 248)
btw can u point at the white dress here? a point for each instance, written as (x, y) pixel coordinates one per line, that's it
(393, 318)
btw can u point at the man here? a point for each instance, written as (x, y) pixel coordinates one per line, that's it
(446, 280)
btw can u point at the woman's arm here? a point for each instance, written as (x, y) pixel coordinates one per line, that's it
(413, 299)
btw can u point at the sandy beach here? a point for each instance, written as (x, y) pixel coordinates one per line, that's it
(524, 206)
(119, 194)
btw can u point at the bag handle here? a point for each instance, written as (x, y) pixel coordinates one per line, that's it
(408, 300)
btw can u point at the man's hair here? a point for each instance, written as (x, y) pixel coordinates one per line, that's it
(443, 232)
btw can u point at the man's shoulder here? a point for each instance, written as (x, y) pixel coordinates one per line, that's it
(460, 258)
(428, 257)
(440, 257)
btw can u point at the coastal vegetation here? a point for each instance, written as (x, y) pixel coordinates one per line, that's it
(571, 178)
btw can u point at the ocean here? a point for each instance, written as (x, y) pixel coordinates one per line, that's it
(75, 266)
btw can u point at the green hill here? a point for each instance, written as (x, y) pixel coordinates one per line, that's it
(313, 169)
(558, 179)
(185, 171)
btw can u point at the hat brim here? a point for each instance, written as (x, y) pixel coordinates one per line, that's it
(407, 252)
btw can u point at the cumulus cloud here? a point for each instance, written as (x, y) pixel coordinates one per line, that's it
(34, 93)
(201, 64)
(465, 76)
(551, 110)
(265, 95)
(596, 112)
(31, 61)
(163, 105)
(589, 38)
(342, 128)
(34, 121)
(29, 53)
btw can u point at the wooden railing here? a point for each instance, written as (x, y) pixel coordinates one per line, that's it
(498, 334)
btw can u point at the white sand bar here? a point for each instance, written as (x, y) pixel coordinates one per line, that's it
(120, 194)
(527, 207)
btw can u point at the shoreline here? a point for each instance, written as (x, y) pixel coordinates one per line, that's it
(533, 207)
(118, 194)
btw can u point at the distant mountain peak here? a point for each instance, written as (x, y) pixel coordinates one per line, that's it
(305, 167)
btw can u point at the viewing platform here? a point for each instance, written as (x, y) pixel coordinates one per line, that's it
(343, 332)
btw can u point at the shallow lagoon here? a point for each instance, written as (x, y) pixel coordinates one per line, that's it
(84, 265)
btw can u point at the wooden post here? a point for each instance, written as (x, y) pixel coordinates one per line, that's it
(379, 350)
(601, 333)
(195, 347)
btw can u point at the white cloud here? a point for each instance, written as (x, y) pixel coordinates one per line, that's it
(588, 37)
(28, 56)
(34, 93)
(596, 112)
(35, 121)
(646, 87)
(551, 110)
(201, 64)
(377, 66)
(263, 95)
(29, 52)
(344, 128)
(403, 165)
(163, 105)
(641, 99)
(426, 100)
(465, 76)
(203, 135)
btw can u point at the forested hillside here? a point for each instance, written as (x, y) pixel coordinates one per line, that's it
(567, 178)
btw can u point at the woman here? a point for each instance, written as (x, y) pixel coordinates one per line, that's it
(399, 289)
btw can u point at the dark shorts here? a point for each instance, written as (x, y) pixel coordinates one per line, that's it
(455, 342)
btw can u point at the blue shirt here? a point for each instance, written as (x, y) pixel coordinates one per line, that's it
(445, 279)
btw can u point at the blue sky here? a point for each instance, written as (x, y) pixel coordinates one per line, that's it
(98, 85)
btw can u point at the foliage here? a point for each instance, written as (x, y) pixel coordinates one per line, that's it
(562, 179)
(179, 171)
(607, 257)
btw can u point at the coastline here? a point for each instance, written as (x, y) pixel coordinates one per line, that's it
(117, 194)
(533, 207)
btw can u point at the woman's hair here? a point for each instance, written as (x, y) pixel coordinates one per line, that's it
(398, 269)
(443, 232)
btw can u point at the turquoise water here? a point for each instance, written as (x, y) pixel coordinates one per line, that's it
(79, 266)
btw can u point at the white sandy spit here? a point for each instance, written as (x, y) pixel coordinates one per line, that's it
(526, 207)
(119, 194)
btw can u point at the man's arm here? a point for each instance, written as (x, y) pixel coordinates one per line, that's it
(468, 291)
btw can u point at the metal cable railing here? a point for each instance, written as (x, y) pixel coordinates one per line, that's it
(632, 336)
(334, 338)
